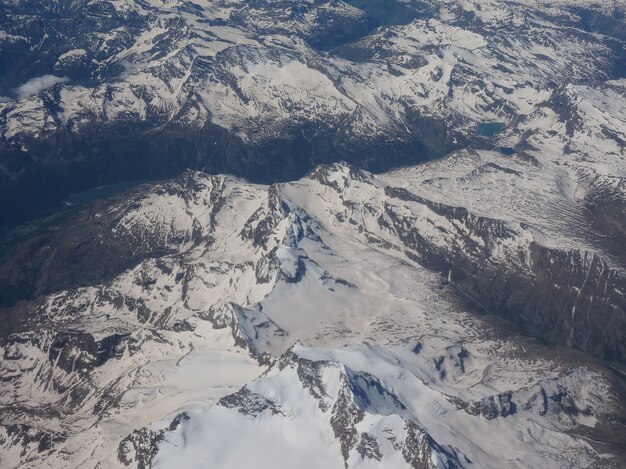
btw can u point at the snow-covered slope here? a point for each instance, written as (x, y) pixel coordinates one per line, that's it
(231, 63)
(361, 407)
(368, 279)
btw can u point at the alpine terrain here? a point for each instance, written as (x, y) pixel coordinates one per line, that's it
(313, 234)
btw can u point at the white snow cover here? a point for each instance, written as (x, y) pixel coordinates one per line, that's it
(262, 277)
(257, 76)
(296, 426)
(259, 282)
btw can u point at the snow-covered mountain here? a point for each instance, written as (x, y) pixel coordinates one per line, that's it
(279, 304)
(373, 278)
(101, 91)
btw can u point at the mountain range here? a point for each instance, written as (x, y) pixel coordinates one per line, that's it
(320, 233)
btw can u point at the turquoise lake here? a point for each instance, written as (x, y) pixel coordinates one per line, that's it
(489, 129)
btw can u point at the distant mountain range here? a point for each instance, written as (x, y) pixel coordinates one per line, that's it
(96, 92)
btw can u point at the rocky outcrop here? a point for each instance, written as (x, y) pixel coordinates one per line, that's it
(566, 297)
(139, 448)
(352, 406)
(122, 107)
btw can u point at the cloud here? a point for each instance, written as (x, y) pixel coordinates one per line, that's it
(37, 85)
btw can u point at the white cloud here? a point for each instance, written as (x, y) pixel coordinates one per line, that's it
(37, 85)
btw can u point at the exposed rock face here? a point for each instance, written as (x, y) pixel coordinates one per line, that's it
(25, 443)
(548, 292)
(564, 296)
(139, 448)
(353, 407)
(492, 407)
(501, 268)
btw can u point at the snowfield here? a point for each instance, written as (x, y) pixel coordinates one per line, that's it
(299, 319)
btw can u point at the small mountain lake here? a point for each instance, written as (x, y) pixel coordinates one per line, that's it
(101, 192)
(489, 129)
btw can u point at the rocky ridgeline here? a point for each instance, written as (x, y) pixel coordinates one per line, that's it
(100, 92)
(212, 250)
